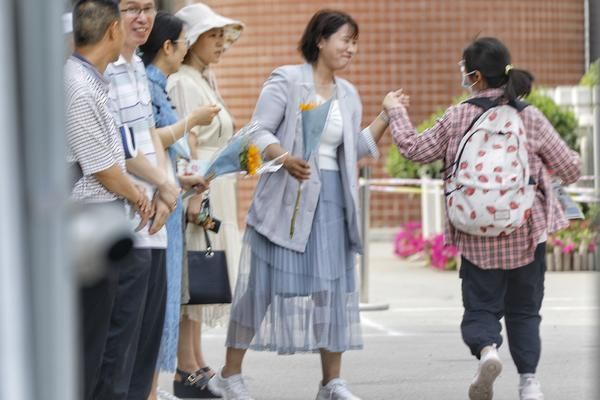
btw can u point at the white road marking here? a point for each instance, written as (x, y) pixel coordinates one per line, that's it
(460, 309)
(377, 326)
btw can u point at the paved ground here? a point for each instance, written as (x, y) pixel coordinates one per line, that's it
(414, 350)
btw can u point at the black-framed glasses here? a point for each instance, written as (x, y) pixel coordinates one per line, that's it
(149, 11)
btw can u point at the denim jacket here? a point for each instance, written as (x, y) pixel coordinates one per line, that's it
(278, 114)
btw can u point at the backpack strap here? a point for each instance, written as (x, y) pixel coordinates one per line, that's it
(487, 102)
(482, 102)
(519, 105)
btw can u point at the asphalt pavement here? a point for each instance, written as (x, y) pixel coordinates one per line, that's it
(414, 351)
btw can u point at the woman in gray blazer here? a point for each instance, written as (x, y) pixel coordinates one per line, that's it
(298, 293)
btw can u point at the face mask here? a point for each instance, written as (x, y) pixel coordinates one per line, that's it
(465, 81)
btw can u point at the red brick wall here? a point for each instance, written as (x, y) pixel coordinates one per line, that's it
(414, 44)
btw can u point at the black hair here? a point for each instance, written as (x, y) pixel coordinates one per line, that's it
(91, 19)
(321, 26)
(166, 27)
(491, 58)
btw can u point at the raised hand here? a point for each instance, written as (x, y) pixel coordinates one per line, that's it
(396, 98)
(203, 115)
(198, 182)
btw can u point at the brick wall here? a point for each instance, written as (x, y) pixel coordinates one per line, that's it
(414, 44)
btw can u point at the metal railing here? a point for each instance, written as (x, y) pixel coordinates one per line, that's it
(365, 279)
(419, 186)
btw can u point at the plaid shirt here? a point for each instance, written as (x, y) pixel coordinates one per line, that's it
(547, 151)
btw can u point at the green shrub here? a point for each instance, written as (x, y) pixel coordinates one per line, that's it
(400, 167)
(562, 119)
(592, 76)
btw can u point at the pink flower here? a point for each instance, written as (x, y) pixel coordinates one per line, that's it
(412, 226)
(568, 248)
(592, 247)
(409, 240)
(441, 257)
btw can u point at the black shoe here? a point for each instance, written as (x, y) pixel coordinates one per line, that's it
(194, 385)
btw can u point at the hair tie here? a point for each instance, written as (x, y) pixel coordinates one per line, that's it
(508, 68)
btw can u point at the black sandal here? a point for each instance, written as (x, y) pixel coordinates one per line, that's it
(194, 385)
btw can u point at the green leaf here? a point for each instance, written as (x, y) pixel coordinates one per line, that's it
(592, 76)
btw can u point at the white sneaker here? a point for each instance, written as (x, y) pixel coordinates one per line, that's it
(490, 367)
(162, 394)
(336, 389)
(531, 390)
(232, 388)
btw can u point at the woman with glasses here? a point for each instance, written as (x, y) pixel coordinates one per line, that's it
(163, 54)
(209, 35)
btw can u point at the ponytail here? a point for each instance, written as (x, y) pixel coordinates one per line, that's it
(518, 84)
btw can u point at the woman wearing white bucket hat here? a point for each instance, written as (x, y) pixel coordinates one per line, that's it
(209, 35)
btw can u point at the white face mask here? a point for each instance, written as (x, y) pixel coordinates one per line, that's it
(465, 80)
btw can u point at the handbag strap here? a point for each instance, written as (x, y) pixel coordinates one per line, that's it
(209, 250)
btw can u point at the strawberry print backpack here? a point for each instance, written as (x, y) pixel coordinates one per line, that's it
(489, 191)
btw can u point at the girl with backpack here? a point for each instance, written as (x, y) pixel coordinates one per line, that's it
(498, 153)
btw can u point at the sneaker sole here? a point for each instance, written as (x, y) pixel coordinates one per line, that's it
(483, 389)
(532, 397)
(213, 386)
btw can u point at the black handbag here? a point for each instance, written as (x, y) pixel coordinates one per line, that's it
(208, 276)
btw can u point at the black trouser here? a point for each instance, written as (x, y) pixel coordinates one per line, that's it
(136, 328)
(96, 305)
(516, 295)
(96, 302)
(151, 331)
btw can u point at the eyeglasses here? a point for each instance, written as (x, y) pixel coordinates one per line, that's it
(187, 42)
(461, 65)
(149, 11)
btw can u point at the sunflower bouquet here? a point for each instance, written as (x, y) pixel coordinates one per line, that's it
(239, 155)
(250, 159)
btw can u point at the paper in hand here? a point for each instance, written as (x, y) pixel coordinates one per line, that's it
(273, 165)
(571, 209)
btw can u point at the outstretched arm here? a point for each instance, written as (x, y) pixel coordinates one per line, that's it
(423, 148)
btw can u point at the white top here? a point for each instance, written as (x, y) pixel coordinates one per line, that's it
(331, 139)
(188, 89)
(131, 104)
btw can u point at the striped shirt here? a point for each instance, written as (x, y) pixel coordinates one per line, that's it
(547, 151)
(92, 136)
(131, 105)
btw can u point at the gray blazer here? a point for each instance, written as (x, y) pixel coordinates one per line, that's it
(278, 114)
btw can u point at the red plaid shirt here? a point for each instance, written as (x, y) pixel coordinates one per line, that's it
(547, 151)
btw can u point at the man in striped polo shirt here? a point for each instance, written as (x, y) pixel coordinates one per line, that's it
(138, 315)
(94, 145)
